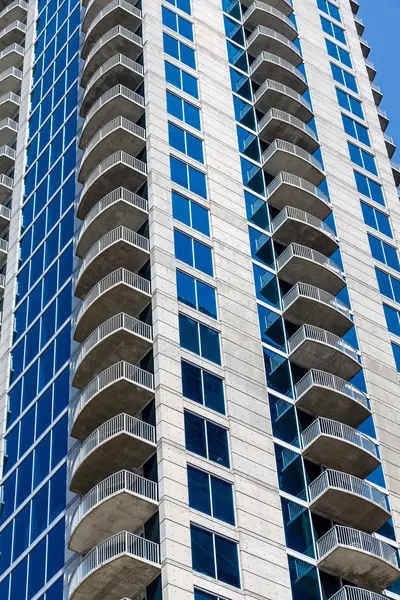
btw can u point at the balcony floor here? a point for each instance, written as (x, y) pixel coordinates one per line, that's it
(271, 98)
(282, 160)
(313, 312)
(299, 269)
(316, 355)
(295, 231)
(270, 70)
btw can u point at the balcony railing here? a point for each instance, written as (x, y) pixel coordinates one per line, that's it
(117, 30)
(332, 382)
(322, 426)
(296, 250)
(109, 8)
(108, 95)
(352, 593)
(289, 212)
(309, 332)
(12, 5)
(314, 293)
(257, 5)
(352, 538)
(7, 151)
(118, 122)
(113, 62)
(298, 182)
(275, 113)
(110, 161)
(284, 89)
(12, 48)
(261, 30)
(292, 149)
(6, 181)
(277, 60)
(11, 71)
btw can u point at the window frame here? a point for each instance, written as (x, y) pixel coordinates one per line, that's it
(215, 535)
(199, 326)
(211, 476)
(203, 395)
(197, 281)
(207, 457)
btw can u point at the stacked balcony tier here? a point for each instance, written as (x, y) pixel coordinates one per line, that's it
(102, 15)
(12, 56)
(293, 225)
(273, 93)
(303, 195)
(279, 124)
(9, 105)
(262, 13)
(281, 155)
(14, 33)
(263, 39)
(270, 66)
(284, 6)
(10, 80)
(15, 11)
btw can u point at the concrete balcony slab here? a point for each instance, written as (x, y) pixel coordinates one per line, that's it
(268, 40)
(121, 337)
(339, 447)
(14, 33)
(15, 11)
(370, 70)
(261, 13)
(10, 80)
(118, 134)
(303, 195)
(5, 217)
(293, 225)
(269, 66)
(12, 56)
(354, 6)
(359, 25)
(6, 187)
(119, 567)
(103, 15)
(3, 250)
(119, 291)
(272, 93)
(284, 156)
(9, 105)
(121, 388)
(7, 158)
(284, 6)
(358, 557)
(8, 131)
(322, 394)
(119, 169)
(396, 172)
(122, 502)
(377, 93)
(117, 70)
(2, 285)
(383, 119)
(390, 144)
(365, 47)
(279, 124)
(349, 592)
(123, 442)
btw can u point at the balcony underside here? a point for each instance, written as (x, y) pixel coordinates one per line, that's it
(284, 6)
(311, 354)
(313, 312)
(267, 69)
(121, 451)
(13, 58)
(123, 511)
(279, 129)
(13, 36)
(299, 269)
(383, 120)
(5, 189)
(10, 82)
(8, 133)
(396, 174)
(263, 42)
(8, 106)
(300, 198)
(295, 231)
(339, 454)
(282, 160)
(260, 16)
(272, 98)
(17, 13)
(116, 13)
(6, 162)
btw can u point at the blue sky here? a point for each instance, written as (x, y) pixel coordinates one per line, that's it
(382, 30)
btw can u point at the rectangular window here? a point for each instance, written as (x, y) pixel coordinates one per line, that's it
(349, 103)
(369, 188)
(211, 495)
(185, 142)
(193, 253)
(200, 339)
(207, 439)
(203, 387)
(339, 53)
(333, 30)
(183, 110)
(215, 556)
(329, 9)
(181, 80)
(392, 319)
(188, 177)
(189, 212)
(376, 219)
(201, 595)
(383, 252)
(396, 354)
(197, 294)
(389, 286)
(183, 5)
(356, 130)
(179, 51)
(342, 76)
(363, 159)
(178, 24)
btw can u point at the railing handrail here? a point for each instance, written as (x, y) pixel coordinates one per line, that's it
(317, 334)
(268, 56)
(5, 180)
(257, 4)
(262, 30)
(339, 535)
(116, 30)
(272, 84)
(14, 25)
(117, 482)
(7, 122)
(310, 291)
(3, 245)
(109, 64)
(116, 545)
(118, 89)
(395, 165)
(323, 426)
(11, 71)
(329, 381)
(275, 113)
(110, 161)
(12, 5)
(116, 123)
(10, 96)
(12, 48)
(308, 254)
(290, 212)
(292, 149)
(291, 179)
(108, 8)
(349, 592)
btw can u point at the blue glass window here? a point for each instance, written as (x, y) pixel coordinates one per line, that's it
(356, 130)
(215, 556)
(203, 387)
(206, 439)
(178, 24)
(188, 177)
(329, 9)
(185, 142)
(349, 103)
(392, 319)
(183, 110)
(363, 159)
(396, 354)
(339, 53)
(200, 339)
(189, 212)
(197, 294)
(383, 252)
(211, 495)
(183, 5)
(179, 51)
(193, 253)
(389, 286)
(369, 188)
(333, 30)
(181, 79)
(376, 219)
(342, 76)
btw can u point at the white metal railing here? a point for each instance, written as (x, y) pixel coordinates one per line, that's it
(11, 71)
(288, 178)
(349, 592)
(3, 245)
(7, 151)
(275, 113)
(11, 26)
(118, 234)
(382, 112)
(117, 30)
(313, 293)
(395, 165)
(346, 483)
(12, 5)
(257, 5)
(283, 89)
(120, 276)
(389, 138)
(110, 127)
(308, 254)
(117, 90)
(12, 48)
(121, 370)
(376, 88)
(292, 149)
(6, 181)
(316, 334)
(322, 426)
(111, 161)
(118, 59)
(9, 123)
(352, 538)
(118, 482)
(128, 6)
(120, 321)
(10, 96)
(277, 60)
(289, 212)
(2, 281)
(5, 212)
(119, 424)
(364, 41)
(331, 382)
(261, 30)
(116, 545)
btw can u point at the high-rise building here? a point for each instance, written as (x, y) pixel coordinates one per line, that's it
(200, 281)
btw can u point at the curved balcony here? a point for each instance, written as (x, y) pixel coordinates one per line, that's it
(396, 172)
(12, 56)
(352, 593)
(322, 394)
(358, 557)
(339, 447)
(370, 70)
(293, 225)
(260, 13)
(121, 337)
(8, 130)
(118, 170)
(303, 195)
(272, 93)
(281, 156)
(119, 291)
(9, 105)
(117, 39)
(10, 80)
(15, 11)
(349, 500)
(390, 144)
(119, 134)
(355, 5)
(383, 118)
(118, 248)
(5, 216)
(307, 304)
(279, 124)
(2, 285)
(264, 39)
(284, 6)
(299, 263)
(7, 158)
(102, 15)
(3, 249)
(270, 66)
(6, 187)
(118, 567)
(123, 442)
(14, 33)
(365, 47)
(118, 69)
(122, 388)
(377, 93)
(119, 101)
(315, 348)
(122, 502)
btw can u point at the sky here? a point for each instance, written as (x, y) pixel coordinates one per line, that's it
(382, 30)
